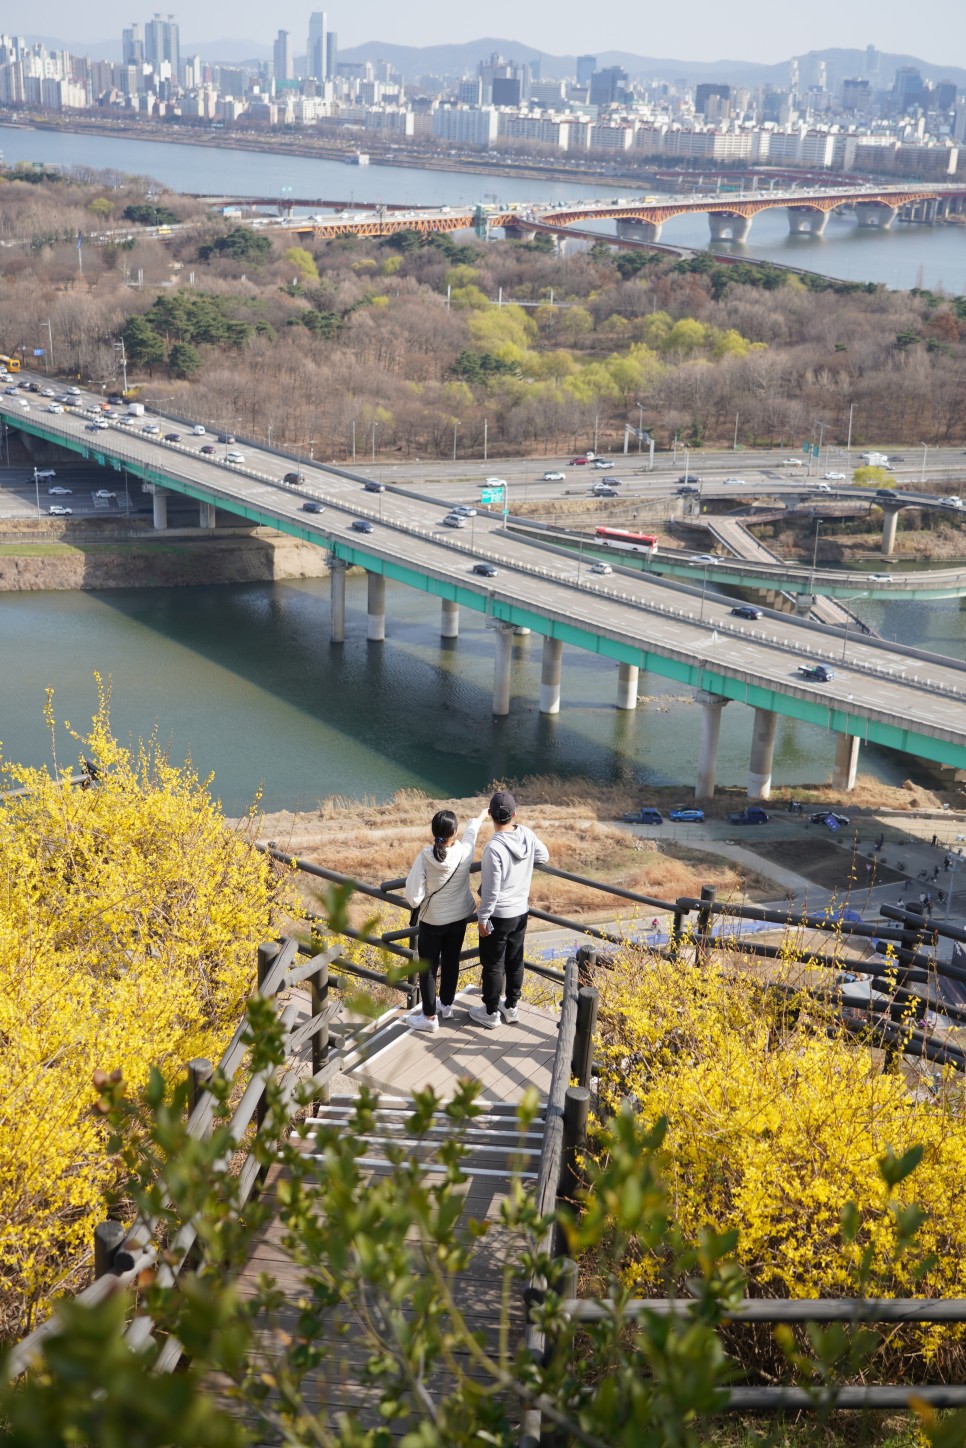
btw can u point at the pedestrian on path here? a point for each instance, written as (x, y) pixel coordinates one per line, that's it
(507, 869)
(438, 887)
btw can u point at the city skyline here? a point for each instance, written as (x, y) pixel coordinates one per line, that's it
(704, 33)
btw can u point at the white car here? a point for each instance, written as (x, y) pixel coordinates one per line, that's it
(495, 483)
(823, 487)
(104, 493)
(57, 510)
(101, 424)
(55, 407)
(601, 568)
(880, 577)
(952, 502)
(792, 463)
(47, 392)
(738, 482)
(601, 463)
(198, 430)
(234, 457)
(151, 428)
(41, 473)
(58, 492)
(74, 391)
(554, 478)
(835, 477)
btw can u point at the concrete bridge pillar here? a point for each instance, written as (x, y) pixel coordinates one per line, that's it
(501, 677)
(376, 612)
(846, 766)
(728, 225)
(207, 515)
(806, 221)
(337, 600)
(627, 676)
(450, 625)
(762, 753)
(550, 676)
(890, 520)
(635, 230)
(160, 508)
(711, 707)
(875, 214)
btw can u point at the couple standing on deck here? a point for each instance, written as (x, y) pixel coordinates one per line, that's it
(439, 887)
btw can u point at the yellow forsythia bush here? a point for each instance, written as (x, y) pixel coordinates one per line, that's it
(130, 916)
(776, 1119)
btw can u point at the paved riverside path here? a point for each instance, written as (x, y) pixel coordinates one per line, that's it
(506, 1062)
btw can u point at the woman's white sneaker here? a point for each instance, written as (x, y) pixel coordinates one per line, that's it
(422, 1023)
(444, 1012)
(510, 1013)
(483, 1017)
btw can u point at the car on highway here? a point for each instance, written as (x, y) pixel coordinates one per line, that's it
(830, 818)
(791, 463)
(952, 502)
(495, 483)
(101, 425)
(454, 520)
(580, 462)
(601, 567)
(74, 391)
(648, 814)
(59, 492)
(361, 525)
(43, 473)
(207, 450)
(752, 814)
(735, 482)
(818, 673)
(823, 487)
(553, 477)
(312, 508)
(880, 577)
(702, 559)
(485, 570)
(198, 430)
(885, 492)
(12, 391)
(234, 457)
(746, 610)
(151, 428)
(226, 437)
(687, 490)
(688, 478)
(293, 479)
(462, 511)
(55, 407)
(172, 437)
(105, 493)
(47, 392)
(57, 510)
(835, 477)
(92, 426)
(604, 490)
(895, 459)
(682, 816)
(602, 464)
(372, 487)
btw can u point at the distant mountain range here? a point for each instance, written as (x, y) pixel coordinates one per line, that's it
(456, 60)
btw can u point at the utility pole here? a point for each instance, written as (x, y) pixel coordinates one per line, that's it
(50, 354)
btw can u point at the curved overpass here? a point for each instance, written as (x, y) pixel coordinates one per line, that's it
(898, 697)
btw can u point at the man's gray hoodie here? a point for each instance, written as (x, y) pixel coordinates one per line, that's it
(508, 861)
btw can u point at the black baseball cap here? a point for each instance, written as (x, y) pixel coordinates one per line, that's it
(502, 806)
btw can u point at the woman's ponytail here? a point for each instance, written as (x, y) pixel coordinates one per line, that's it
(444, 825)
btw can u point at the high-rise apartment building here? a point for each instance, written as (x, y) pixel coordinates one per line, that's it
(331, 54)
(317, 48)
(132, 41)
(162, 41)
(284, 58)
(586, 65)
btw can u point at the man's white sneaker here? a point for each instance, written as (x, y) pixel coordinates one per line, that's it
(444, 1012)
(422, 1023)
(510, 1013)
(483, 1017)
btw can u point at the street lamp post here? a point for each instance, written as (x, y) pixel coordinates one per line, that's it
(704, 589)
(485, 439)
(925, 449)
(640, 426)
(374, 426)
(37, 490)
(811, 576)
(455, 431)
(687, 463)
(848, 444)
(353, 439)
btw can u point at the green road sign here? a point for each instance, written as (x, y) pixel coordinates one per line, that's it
(806, 448)
(491, 495)
(816, 450)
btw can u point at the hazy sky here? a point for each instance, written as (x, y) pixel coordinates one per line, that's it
(756, 30)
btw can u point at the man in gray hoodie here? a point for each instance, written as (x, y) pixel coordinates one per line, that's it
(507, 867)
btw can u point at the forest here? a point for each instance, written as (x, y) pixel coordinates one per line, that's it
(425, 347)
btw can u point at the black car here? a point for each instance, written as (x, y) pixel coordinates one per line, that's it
(115, 399)
(172, 437)
(746, 610)
(294, 478)
(314, 508)
(830, 818)
(374, 487)
(691, 478)
(486, 570)
(207, 449)
(687, 491)
(362, 525)
(226, 437)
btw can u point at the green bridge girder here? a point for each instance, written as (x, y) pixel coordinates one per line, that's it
(870, 725)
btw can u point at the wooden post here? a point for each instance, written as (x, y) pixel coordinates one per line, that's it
(703, 939)
(108, 1237)
(586, 966)
(319, 988)
(576, 1112)
(266, 959)
(566, 1287)
(588, 1000)
(200, 1072)
(676, 931)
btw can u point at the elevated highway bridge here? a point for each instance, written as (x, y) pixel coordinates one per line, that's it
(903, 698)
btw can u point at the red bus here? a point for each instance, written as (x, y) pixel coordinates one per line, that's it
(621, 538)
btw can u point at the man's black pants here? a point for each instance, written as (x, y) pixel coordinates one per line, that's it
(501, 953)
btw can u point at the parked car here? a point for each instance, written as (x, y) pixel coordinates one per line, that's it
(234, 457)
(486, 570)
(57, 510)
(686, 816)
(207, 450)
(292, 478)
(553, 477)
(646, 815)
(818, 673)
(361, 525)
(601, 567)
(58, 492)
(752, 814)
(172, 437)
(312, 508)
(747, 610)
(830, 818)
(372, 487)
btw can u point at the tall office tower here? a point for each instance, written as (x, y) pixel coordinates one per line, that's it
(712, 89)
(871, 61)
(331, 54)
(793, 77)
(586, 65)
(821, 75)
(317, 60)
(284, 59)
(162, 41)
(133, 45)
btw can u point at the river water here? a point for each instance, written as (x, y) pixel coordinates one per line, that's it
(243, 679)
(902, 257)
